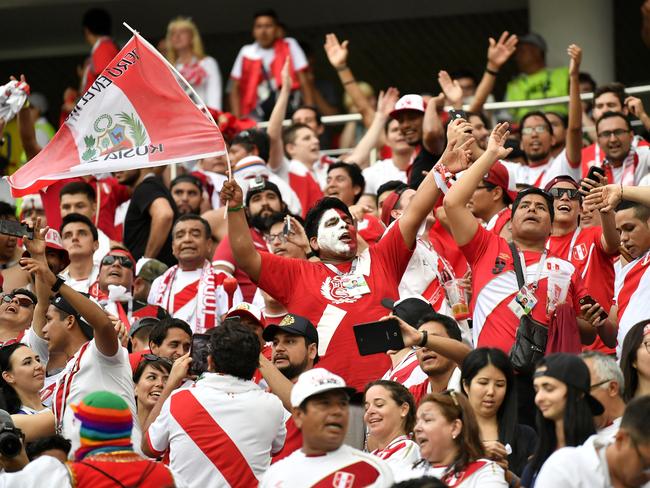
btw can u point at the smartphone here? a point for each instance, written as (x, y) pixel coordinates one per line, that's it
(199, 353)
(593, 174)
(588, 300)
(457, 114)
(15, 228)
(286, 230)
(376, 337)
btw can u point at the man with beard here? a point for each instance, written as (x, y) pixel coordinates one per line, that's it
(343, 288)
(193, 290)
(295, 350)
(187, 191)
(150, 215)
(537, 138)
(263, 201)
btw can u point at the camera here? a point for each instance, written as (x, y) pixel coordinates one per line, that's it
(10, 436)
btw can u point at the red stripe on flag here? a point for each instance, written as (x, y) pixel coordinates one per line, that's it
(357, 474)
(215, 443)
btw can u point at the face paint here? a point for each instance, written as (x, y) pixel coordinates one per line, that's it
(330, 230)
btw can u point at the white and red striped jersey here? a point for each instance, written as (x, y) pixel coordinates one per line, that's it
(482, 473)
(540, 175)
(494, 285)
(422, 389)
(632, 295)
(593, 156)
(407, 372)
(302, 181)
(88, 371)
(399, 453)
(344, 468)
(222, 432)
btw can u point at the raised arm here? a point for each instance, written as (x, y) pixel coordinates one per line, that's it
(455, 158)
(385, 103)
(451, 88)
(609, 196)
(635, 107)
(433, 133)
(337, 54)
(274, 129)
(497, 54)
(574, 130)
(610, 238)
(462, 222)
(36, 249)
(235, 98)
(239, 235)
(162, 219)
(280, 386)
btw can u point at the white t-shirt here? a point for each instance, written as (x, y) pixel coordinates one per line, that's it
(81, 285)
(539, 176)
(346, 467)
(222, 430)
(400, 453)
(35, 473)
(255, 51)
(381, 172)
(103, 249)
(210, 87)
(478, 474)
(88, 371)
(577, 467)
(179, 308)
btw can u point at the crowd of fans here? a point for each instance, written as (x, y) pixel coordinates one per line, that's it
(199, 329)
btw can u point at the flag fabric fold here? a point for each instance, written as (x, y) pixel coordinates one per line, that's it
(135, 115)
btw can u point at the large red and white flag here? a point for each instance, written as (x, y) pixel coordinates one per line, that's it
(135, 115)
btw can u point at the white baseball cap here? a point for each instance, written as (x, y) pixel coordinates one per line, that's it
(245, 309)
(408, 102)
(315, 381)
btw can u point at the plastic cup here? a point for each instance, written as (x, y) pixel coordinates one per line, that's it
(457, 296)
(557, 288)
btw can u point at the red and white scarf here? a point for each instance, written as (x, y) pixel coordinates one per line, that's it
(206, 304)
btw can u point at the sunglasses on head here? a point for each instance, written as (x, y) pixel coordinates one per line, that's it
(123, 260)
(153, 357)
(22, 301)
(558, 193)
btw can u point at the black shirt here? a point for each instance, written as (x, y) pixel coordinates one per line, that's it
(422, 164)
(137, 223)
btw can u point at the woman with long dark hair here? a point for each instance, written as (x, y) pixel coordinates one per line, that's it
(447, 433)
(390, 417)
(635, 361)
(487, 378)
(565, 408)
(22, 379)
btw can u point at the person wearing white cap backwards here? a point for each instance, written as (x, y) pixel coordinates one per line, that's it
(320, 410)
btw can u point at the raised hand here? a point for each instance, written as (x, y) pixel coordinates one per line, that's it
(459, 130)
(337, 52)
(497, 140)
(604, 198)
(635, 106)
(575, 53)
(297, 236)
(387, 100)
(231, 193)
(39, 268)
(286, 75)
(451, 88)
(36, 246)
(500, 51)
(457, 157)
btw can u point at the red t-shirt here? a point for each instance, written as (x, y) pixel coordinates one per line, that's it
(103, 53)
(223, 255)
(595, 266)
(445, 245)
(306, 189)
(370, 228)
(494, 285)
(314, 291)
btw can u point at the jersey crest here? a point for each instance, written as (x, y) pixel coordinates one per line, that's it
(343, 480)
(334, 291)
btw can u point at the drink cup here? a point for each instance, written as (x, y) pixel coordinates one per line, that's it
(457, 296)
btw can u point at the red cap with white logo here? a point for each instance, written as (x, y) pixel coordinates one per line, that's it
(408, 102)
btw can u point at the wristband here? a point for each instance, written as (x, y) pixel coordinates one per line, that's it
(443, 177)
(342, 68)
(425, 338)
(57, 284)
(236, 208)
(491, 72)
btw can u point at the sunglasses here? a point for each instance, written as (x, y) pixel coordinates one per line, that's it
(526, 131)
(153, 357)
(558, 193)
(123, 260)
(22, 301)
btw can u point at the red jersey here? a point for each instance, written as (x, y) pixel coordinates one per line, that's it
(499, 221)
(317, 292)
(102, 53)
(445, 245)
(494, 286)
(304, 185)
(223, 256)
(370, 228)
(109, 195)
(584, 249)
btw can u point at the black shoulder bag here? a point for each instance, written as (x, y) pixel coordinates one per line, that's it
(531, 337)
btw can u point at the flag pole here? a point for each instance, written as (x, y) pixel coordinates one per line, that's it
(203, 107)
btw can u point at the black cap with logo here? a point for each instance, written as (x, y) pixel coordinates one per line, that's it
(292, 324)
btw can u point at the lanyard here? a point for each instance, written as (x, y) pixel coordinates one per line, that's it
(576, 233)
(540, 266)
(335, 270)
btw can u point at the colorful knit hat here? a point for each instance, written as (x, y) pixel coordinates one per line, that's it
(106, 424)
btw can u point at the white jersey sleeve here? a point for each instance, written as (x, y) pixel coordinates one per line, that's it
(560, 470)
(213, 83)
(154, 290)
(157, 436)
(38, 345)
(297, 54)
(35, 473)
(236, 71)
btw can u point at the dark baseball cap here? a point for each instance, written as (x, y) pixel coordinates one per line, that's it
(573, 371)
(142, 323)
(292, 324)
(410, 309)
(534, 39)
(260, 184)
(63, 305)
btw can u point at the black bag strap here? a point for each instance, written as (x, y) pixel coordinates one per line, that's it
(517, 263)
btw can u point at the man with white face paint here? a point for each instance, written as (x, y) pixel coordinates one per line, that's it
(345, 287)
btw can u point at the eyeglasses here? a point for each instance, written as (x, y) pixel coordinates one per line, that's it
(22, 301)
(123, 260)
(558, 193)
(600, 383)
(526, 131)
(153, 357)
(269, 238)
(606, 134)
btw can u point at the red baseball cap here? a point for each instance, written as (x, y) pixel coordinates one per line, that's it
(408, 102)
(499, 176)
(245, 309)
